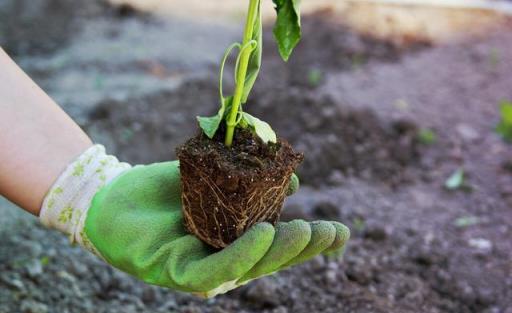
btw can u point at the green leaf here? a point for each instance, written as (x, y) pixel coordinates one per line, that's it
(209, 125)
(261, 128)
(504, 128)
(315, 76)
(44, 260)
(466, 221)
(254, 65)
(359, 224)
(456, 180)
(287, 30)
(427, 136)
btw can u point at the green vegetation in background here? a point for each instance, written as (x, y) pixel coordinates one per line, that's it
(315, 77)
(466, 221)
(427, 136)
(504, 127)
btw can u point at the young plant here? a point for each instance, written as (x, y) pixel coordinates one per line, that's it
(504, 128)
(427, 136)
(287, 33)
(226, 188)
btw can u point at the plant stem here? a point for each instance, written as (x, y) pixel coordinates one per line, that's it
(242, 71)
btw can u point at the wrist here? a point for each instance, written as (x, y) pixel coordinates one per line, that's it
(65, 206)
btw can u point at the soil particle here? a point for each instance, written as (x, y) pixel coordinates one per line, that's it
(280, 309)
(125, 10)
(28, 306)
(34, 269)
(375, 231)
(326, 211)
(263, 293)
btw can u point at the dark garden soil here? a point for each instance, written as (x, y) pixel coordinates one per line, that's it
(42, 27)
(225, 191)
(415, 246)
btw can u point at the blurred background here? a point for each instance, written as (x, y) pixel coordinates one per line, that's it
(394, 102)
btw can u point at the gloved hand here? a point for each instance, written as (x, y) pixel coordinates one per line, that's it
(132, 219)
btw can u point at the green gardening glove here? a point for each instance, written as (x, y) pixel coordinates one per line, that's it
(132, 219)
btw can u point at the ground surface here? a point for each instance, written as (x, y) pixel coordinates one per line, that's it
(355, 105)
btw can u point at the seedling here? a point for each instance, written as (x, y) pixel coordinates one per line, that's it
(287, 32)
(315, 77)
(359, 224)
(237, 172)
(494, 58)
(427, 136)
(504, 128)
(44, 260)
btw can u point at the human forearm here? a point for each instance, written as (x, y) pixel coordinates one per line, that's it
(37, 139)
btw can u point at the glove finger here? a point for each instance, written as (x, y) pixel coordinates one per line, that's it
(323, 235)
(289, 241)
(342, 236)
(294, 185)
(194, 267)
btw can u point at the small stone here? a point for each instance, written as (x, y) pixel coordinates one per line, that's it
(280, 309)
(263, 292)
(34, 268)
(493, 309)
(120, 281)
(28, 306)
(375, 232)
(66, 276)
(13, 282)
(317, 263)
(336, 178)
(169, 305)
(218, 309)
(331, 278)
(422, 258)
(79, 269)
(359, 273)
(326, 210)
(467, 132)
(485, 296)
(32, 248)
(480, 244)
(422, 199)
(191, 309)
(148, 294)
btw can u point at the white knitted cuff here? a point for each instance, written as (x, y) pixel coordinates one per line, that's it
(66, 204)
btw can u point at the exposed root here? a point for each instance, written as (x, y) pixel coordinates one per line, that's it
(222, 199)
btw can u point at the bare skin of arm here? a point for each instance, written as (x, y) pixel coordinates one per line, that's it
(37, 139)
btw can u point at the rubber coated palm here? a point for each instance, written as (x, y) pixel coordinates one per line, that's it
(136, 224)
